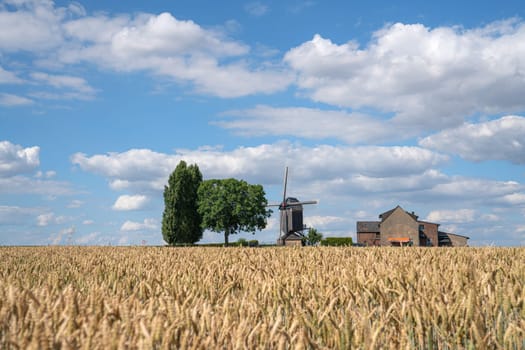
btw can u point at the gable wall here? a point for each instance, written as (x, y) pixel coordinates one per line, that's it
(399, 224)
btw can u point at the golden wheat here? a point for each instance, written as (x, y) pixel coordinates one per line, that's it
(278, 298)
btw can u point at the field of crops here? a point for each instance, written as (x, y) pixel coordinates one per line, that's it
(241, 298)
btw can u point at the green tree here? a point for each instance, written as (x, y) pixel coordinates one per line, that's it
(232, 206)
(181, 222)
(312, 237)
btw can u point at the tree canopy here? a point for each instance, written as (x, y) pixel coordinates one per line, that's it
(181, 221)
(313, 237)
(232, 206)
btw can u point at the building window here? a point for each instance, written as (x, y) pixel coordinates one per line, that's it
(421, 227)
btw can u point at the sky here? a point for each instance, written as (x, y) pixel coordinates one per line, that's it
(371, 104)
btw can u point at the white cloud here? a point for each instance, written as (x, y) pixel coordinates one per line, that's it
(75, 203)
(321, 222)
(148, 224)
(515, 198)
(14, 159)
(451, 216)
(500, 139)
(67, 87)
(10, 100)
(41, 30)
(45, 219)
(370, 184)
(91, 238)
(159, 44)
(427, 77)
(486, 191)
(24, 184)
(64, 233)
(490, 217)
(47, 175)
(262, 164)
(64, 81)
(14, 215)
(312, 123)
(88, 222)
(167, 46)
(256, 8)
(126, 202)
(7, 77)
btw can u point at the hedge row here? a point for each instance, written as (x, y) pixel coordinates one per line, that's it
(336, 241)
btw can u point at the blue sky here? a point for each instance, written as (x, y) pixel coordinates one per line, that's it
(371, 105)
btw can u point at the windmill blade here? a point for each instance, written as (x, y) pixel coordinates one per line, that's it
(274, 205)
(285, 183)
(292, 204)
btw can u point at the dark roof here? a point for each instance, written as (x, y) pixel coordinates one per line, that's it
(368, 226)
(386, 214)
(293, 236)
(442, 233)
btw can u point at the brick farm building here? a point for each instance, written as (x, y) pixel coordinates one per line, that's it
(398, 227)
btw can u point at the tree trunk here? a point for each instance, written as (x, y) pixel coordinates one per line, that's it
(226, 234)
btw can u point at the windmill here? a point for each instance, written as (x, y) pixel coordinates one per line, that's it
(291, 216)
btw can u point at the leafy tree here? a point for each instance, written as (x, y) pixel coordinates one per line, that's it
(232, 206)
(181, 222)
(313, 237)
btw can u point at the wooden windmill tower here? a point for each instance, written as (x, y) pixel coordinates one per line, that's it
(291, 217)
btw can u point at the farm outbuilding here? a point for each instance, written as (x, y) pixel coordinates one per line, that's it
(291, 239)
(398, 227)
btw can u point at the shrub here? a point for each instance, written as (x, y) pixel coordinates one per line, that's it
(337, 241)
(242, 242)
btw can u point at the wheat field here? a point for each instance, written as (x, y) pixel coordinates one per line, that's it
(271, 298)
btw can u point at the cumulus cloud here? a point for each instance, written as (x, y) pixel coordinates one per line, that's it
(148, 224)
(41, 30)
(45, 219)
(66, 86)
(167, 46)
(451, 216)
(15, 159)
(127, 202)
(516, 198)
(500, 139)
(262, 164)
(478, 191)
(318, 221)
(160, 44)
(427, 77)
(10, 100)
(353, 128)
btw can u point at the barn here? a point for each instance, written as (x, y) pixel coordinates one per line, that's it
(398, 227)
